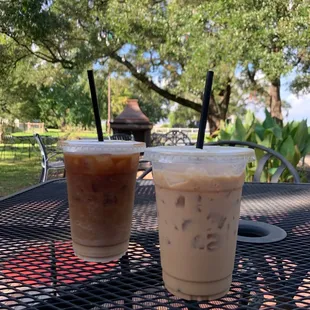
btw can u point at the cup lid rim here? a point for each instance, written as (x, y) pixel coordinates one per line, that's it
(76, 146)
(218, 153)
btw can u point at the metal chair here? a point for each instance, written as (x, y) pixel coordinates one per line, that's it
(46, 163)
(157, 138)
(269, 153)
(122, 136)
(176, 138)
(172, 138)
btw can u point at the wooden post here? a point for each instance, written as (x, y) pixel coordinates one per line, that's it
(109, 105)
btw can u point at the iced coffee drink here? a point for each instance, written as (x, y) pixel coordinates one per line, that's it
(198, 194)
(101, 178)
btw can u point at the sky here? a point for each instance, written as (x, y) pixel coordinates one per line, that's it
(300, 104)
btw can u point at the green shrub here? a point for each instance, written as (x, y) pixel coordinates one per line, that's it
(291, 140)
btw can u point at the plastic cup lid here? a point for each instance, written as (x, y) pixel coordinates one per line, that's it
(220, 154)
(105, 147)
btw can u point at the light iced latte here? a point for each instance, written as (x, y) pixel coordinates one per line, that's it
(198, 197)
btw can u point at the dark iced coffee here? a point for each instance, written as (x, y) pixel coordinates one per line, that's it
(101, 191)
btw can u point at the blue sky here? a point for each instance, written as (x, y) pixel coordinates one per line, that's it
(300, 105)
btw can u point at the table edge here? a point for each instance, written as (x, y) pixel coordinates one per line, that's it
(27, 189)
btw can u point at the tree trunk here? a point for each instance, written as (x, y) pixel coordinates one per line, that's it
(275, 101)
(218, 112)
(63, 125)
(1, 134)
(214, 115)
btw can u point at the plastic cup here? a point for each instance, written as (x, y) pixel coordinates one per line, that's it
(101, 179)
(198, 194)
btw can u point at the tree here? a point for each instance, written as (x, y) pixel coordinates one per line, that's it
(58, 97)
(273, 39)
(66, 100)
(18, 97)
(184, 117)
(168, 45)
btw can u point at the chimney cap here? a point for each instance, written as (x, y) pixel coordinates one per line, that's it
(132, 114)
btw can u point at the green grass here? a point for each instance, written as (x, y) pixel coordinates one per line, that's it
(49, 134)
(19, 174)
(59, 134)
(17, 170)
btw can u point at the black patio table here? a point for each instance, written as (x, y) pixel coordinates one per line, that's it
(38, 269)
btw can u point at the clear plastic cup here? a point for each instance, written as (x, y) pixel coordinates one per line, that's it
(101, 178)
(198, 194)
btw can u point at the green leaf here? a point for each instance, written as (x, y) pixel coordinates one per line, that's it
(252, 136)
(248, 136)
(287, 149)
(306, 149)
(293, 128)
(267, 141)
(286, 131)
(240, 132)
(272, 171)
(277, 131)
(259, 130)
(224, 135)
(259, 154)
(249, 119)
(269, 121)
(297, 156)
(264, 176)
(251, 169)
(301, 135)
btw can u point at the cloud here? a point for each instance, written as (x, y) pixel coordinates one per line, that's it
(300, 107)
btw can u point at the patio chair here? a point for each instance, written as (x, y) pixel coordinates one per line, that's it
(157, 139)
(46, 163)
(269, 153)
(172, 138)
(176, 138)
(50, 143)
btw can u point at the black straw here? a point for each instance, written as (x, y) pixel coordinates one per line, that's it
(204, 111)
(92, 87)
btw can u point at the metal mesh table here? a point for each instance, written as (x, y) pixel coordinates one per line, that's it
(38, 269)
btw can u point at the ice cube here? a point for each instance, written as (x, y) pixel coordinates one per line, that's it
(175, 180)
(105, 162)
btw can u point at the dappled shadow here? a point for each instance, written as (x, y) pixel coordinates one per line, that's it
(273, 275)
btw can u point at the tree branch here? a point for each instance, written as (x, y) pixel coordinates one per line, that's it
(39, 55)
(19, 59)
(151, 85)
(259, 88)
(53, 59)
